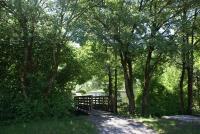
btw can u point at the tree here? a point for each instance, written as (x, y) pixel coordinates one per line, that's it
(115, 23)
(36, 55)
(157, 40)
(189, 15)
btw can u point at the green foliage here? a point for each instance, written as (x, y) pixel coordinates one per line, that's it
(161, 101)
(58, 105)
(170, 78)
(39, 67)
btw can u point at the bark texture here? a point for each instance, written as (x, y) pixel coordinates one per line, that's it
(147, 78)
(128, 77)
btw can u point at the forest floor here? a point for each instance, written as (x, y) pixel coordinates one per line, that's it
(108, 123)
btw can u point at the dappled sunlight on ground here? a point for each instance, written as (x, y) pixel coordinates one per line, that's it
(171, 126)
(110, 124)
(186, 118)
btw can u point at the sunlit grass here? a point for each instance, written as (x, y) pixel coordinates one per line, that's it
(164, 126)
(72, 125)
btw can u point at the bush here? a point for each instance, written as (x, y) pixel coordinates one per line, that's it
(59, 104)
(161, 101)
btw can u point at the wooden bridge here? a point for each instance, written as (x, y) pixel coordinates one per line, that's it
(87, 103)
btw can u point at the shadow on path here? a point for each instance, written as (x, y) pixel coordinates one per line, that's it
(111, 124)
(186, 118)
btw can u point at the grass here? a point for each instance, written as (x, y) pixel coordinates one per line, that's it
(72, 125)
(165, 126)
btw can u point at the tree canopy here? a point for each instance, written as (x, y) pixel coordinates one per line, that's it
(150, 49)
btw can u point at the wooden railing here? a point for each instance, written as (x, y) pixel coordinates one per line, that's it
(100, 103)
(87, 103)
(83, 103)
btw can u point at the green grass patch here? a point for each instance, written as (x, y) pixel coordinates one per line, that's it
(71, 125)
(165, 126)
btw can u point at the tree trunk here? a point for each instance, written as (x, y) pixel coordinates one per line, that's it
(147, 78)
(27, 66)
(115, 92)
(190, 64)
(28, 59)
(54, 71)
(198, 88)
(51, 80)
(128, 77)
(110, 89)
(181, 87)
(189, 67)
(190, 89)
(198, 95)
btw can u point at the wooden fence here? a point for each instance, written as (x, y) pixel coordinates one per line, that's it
(83, 103)
(87, 103)
(100, 103)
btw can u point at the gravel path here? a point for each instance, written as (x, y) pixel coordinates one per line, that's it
(110, 124)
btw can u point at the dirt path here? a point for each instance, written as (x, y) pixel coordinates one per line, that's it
(110, 124)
